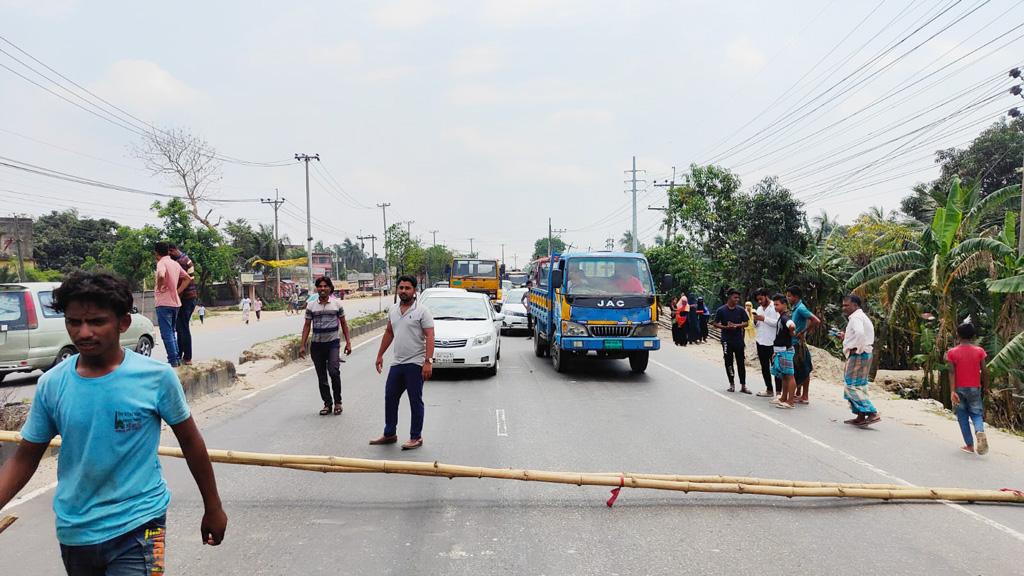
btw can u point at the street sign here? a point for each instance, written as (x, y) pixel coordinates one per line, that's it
(247, 277)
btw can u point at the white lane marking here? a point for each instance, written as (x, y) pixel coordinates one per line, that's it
(303, 371)
(499, 416)
(26, 497)
(959, 508)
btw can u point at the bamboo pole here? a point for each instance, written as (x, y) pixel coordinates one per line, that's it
(6, 522)
(710, 484)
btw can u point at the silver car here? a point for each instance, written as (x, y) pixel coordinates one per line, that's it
(32, 333)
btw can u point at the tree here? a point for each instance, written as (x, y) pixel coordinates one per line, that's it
(705, 208)
(213, 258)
(769, 238)
(132, 255)
(626, 242)
(63, 240)
(540, 247)
(185, 160)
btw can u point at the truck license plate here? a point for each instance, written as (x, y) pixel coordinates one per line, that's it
(613, 344)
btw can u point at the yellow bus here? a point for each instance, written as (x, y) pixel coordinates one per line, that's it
(476, 275)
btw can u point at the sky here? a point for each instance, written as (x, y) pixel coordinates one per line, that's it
(482, 119)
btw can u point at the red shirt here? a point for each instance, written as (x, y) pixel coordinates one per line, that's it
(630, 285)
(966, 360)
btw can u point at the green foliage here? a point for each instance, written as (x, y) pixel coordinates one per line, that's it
(213, 258)
(63, 241)
(132, 255)
(540, 247)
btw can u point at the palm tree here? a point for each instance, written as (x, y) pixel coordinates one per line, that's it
(931, 269)
(1010, 289)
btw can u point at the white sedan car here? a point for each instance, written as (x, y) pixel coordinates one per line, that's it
(513, 310)
(466, 330)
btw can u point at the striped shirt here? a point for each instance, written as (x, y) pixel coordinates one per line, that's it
(325, 319)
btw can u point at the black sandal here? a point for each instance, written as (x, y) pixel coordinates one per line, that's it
(337, 409)
(326, 410)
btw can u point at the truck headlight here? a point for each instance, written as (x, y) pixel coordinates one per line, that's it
(646, 331)
(573, 329)
(482, 339)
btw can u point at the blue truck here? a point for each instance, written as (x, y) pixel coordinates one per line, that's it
(594, 305)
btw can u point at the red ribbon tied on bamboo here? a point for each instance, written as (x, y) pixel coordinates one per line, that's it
(1017, 493)
(615, 492)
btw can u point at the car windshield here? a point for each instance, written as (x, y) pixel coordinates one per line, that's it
(608, 276)
(515, 296)
(448, 308)
(517, 279)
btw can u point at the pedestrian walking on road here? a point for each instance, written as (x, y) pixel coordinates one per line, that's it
(189, 296)
(968, 383)
(171, 280)
(703, 317)
(782, 353)
(766, 323)
(107, 403)
(324, 317)
(201, 311)
(681, 309)
(732, 320)
(805, 321)
(246, 307)
(411, 328)
(257, 307)
(858, 345)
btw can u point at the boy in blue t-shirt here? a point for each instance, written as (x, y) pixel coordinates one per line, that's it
(107, 404)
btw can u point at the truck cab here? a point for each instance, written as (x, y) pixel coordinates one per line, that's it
(594, 305)
(476, 275)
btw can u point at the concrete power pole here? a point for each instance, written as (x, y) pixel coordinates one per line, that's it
(471, 247)
(669, 222)
(276, 203)
(1016, 114)
(309, 226)
(387, 266)
(633, 181)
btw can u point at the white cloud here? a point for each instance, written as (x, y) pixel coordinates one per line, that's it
(343, 55)
(587, 116)
(391, 74)
(404, 14)
(48, 9)
(477, 60)
(744, 57)
(144, 87)
(532, 91)
(518, 12)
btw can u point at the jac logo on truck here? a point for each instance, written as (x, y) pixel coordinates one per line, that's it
(610, 303)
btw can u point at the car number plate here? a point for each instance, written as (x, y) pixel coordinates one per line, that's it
(613, 344)
(444, 357)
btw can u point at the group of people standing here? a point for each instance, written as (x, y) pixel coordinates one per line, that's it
(176, 296)
(689, 320)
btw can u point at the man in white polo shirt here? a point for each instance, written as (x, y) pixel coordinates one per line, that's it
(766, 319)
(411, 328)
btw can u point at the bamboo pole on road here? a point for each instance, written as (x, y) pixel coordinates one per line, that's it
(709, 484)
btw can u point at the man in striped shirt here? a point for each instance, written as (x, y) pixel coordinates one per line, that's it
(324, 316)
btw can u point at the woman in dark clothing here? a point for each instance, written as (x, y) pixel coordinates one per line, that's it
(692, 322)
(679, 319)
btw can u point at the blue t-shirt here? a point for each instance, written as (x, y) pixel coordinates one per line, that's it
(109, 479)
(800, 316)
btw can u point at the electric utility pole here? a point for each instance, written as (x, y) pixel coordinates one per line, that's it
(1015, 113)
(309, 226)
(434, 234)
(669, 223)
(276, 204)
(387, 266)
(373, 259)
(471, 248)
(634, 182)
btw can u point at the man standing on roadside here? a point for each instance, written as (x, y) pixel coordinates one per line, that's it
(804, 320)
(189, 295)
(766, 320)
(324, 317)
(411, 328)
(246, 305)
(858, 344)
(732, 320)
(108, 403)
(171, 280)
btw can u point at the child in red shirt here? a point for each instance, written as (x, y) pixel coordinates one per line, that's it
(968, 382)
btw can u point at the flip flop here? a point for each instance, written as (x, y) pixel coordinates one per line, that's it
(325, 410)
(766, 394)
(870, 421)
(783, 405)
(966, 449)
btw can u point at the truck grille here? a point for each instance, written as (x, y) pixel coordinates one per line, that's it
(603, 331)
(449, 343)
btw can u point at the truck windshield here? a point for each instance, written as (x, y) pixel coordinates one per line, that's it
(608, 276)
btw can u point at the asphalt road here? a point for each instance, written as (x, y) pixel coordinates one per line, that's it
(209, 342)
(601, 418)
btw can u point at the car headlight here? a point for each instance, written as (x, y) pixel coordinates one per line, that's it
(482, 339)
(573, 329)
(646, 330)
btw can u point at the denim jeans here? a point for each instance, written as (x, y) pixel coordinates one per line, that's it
(404, 378)
(184, 330)
(137, 553)
(166, 317)
(970, 409)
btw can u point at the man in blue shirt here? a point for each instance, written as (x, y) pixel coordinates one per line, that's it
(107, 404)
(732, 320)
(804, 321)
